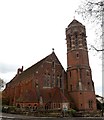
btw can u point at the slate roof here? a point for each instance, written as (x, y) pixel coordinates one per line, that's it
(29, 71)
(75, 23)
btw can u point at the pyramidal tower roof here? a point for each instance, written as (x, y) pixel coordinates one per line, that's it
(75, 23)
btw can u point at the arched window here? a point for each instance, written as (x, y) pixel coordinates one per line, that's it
(53, 64)
(57, 81)
(29, 106)
(47, 78)
(80, 85)
(69, 41)
(76, 39)
(35, 107)
(60, 81)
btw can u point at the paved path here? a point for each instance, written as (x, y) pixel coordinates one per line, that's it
(4, 116)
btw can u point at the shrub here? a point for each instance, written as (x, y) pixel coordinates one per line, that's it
(9, 109)
(72, 112)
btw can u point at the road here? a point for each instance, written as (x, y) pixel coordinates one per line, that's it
(4, 116)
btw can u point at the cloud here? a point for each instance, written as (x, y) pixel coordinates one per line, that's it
(5, 68)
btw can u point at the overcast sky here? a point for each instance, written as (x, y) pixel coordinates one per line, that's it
(29, 29)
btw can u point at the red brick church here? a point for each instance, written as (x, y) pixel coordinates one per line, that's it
(47, 84)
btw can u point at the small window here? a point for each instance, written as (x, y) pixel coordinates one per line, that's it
(80, 85)
(87, 72)
(53, 64)
(77, 55)
(71, 87)
(88, 83)
(36, 83)
(59, 105)
(90, 103)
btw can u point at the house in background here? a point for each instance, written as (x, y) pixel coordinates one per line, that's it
(47, 84)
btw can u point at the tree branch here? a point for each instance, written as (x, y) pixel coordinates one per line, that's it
(97, 3)
(98, 50)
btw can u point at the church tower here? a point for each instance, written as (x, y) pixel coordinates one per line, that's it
(80, 84)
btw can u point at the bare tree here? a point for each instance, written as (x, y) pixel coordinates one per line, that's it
(2, 83)
(93, 12)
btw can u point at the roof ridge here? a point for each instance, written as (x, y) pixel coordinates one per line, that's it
(73, 21)
(32, 69)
